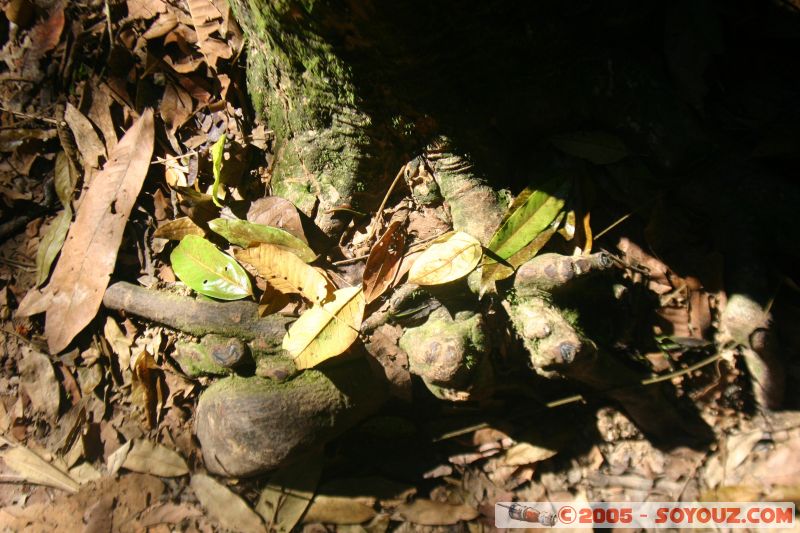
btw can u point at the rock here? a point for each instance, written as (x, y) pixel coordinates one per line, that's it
(247, 426)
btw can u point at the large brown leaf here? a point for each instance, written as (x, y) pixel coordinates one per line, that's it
(90, 251)
(383, 262)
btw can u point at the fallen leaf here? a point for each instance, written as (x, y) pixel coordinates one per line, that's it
(227, 508)
(384, 261)
(201, 266)
(286, 272)
(164, 24)
(147, 457)
(206, 19)
(277, 212)
(326, 331)
(89, 144)
(34, 302)
(145, 9)
(90, 251)
(66, 177)
(530, 215)
(51, 244)
(116, 459)
(246, 234)
(272, 300)
(38, 381)
(169, 513)
(217, 156)
(36, 470)
(288, 493)
(598, 147)
(176, 107)
(177, 229)
(146, 388)
(337, 510)
(524, 454)
(446, 260)
(85, 473)
(433, 513)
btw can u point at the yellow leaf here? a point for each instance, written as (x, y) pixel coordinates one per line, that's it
(446, 261)
(286, 272)
(325, 331)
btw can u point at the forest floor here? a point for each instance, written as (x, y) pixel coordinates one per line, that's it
(98, 435)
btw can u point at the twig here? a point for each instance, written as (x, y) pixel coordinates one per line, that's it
(579, 398)
(383, 203)
(28, 116)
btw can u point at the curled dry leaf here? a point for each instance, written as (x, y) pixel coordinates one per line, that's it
(286, 272)
(277, 212)
(384, 261)
(148, 457)
(246, 234)
(36, 470)
(179, 228)
(326, 331)
(201, 266)
(446, 260)
(227, 508)
(90, 251)
(89, 144)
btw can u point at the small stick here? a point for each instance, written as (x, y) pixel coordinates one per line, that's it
(383, 203)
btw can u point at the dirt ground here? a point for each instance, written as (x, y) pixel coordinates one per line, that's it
(98, 435)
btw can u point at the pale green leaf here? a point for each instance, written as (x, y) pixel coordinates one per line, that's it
(51, 243)
(598, 147)
(246, 234)
(326, 331)
(217, 155)
(528, 218)
(201, 266)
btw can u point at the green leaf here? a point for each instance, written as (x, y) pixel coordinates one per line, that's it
(246, 234)
(217, 152)
(208, 271)
(51, 243)
(529, 215)
(597, 147)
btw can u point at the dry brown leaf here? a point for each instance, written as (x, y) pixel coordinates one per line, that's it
(206, 19)
(40, 40)
(145, 9)
(278, 212)
(148, 457)
(227, 508)
(165, 23)
(384, 261)
(271, 301)
(524, 454)
(90, 251)
(179, 228)
(337, 510)
(36, 470)
(176, 107)
(432, 513)
(100, 115)
(38, 381)
(89, 144)
(326, 331)
(286, 272)
(34, 302)
(147, 391)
